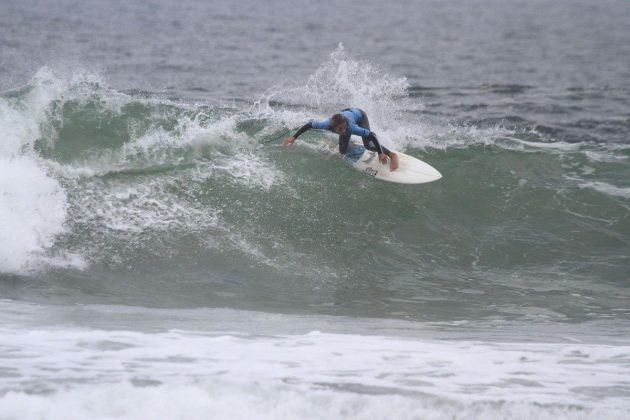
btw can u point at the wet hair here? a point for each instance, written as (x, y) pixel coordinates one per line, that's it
(337, 120)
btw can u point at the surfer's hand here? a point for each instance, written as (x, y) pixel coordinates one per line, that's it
(382, 157)
(288, 140)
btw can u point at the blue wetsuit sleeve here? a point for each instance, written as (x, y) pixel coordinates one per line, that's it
(321, 124)
(316, 124)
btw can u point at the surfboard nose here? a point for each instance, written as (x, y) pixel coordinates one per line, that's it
(435, 173)
(430, 173)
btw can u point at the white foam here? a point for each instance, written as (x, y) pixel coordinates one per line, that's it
(16, 130)
(606, 188)
(32, 212)
(607, 154)
(138, 207)
(34, 204)
(250, 169)
(217, 400)
(189, 132)
(87, 365)
(447, 135)
(555, 145)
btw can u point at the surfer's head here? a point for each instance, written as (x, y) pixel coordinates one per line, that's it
(338, 124)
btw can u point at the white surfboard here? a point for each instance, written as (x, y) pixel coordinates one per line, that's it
(410, 170)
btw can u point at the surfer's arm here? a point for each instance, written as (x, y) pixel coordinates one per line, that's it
(316, 124)
(302, 129)
(373, 144)
(344, 142)
(369, 138)
(305, 127)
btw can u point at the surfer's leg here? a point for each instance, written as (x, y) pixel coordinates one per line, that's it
(363, 121)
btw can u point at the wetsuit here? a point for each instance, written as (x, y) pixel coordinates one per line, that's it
(356, 123)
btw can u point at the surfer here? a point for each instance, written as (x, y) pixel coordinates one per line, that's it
(348, 122)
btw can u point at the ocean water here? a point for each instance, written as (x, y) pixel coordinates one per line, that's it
(162, 256)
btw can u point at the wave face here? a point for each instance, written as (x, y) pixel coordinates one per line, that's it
(113, 194)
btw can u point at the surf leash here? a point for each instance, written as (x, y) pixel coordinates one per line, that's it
(284, 133)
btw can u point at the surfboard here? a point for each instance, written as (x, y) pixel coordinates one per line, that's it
(410, 169)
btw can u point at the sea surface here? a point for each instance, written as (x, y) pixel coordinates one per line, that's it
(163, 256)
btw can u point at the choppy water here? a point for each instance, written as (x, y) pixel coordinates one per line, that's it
(155, 246)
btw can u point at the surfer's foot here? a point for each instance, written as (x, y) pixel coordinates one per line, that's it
(393, 162)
